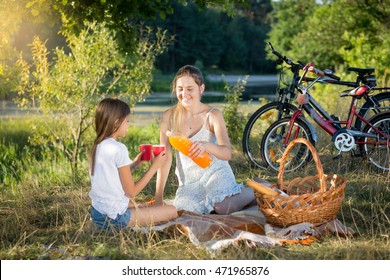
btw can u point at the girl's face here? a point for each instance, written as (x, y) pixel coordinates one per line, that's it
(188, 91)
(121, 132)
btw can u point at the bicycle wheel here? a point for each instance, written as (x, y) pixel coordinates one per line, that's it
(272, 147)
(377, 148)
(256, 127)
(370, 109)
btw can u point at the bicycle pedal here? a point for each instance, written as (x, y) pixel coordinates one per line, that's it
(337, 157)
(355, 155)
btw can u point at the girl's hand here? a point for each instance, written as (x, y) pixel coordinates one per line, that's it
(197, 148)
(158, 161)
(137, 160)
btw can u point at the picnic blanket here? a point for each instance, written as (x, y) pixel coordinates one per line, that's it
(215, 232)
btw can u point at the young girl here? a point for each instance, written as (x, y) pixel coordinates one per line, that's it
(213, 189)
(111, 173)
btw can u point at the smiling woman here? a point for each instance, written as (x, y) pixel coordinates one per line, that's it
(213, 189)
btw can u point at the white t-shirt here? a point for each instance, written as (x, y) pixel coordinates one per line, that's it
(107, 194)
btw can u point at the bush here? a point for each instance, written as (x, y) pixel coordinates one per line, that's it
(235, 121)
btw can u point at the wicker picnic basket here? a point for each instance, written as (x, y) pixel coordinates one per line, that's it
(314, 199)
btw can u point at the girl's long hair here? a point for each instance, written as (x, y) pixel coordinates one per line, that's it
(109, 115)
(178, 110)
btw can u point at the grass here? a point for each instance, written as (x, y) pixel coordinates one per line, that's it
(44, 210)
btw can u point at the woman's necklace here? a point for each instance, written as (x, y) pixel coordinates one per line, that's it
(189, 124)
(193, 122)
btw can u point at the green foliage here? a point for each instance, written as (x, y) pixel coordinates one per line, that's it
(8, 53)
(118, 11)
(11, 168)
(13, 137)
(19, 156)
(69, 89)
(364, 54)
(235, 121)
(288, 19)
(335, 34)
(117, 14)
(215, 40)
(323, 41)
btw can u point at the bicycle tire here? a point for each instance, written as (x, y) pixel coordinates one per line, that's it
(255, 128)
(272, 147)
(367, 111)
(378, 155)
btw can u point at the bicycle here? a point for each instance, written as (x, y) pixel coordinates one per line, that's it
(373, 140)
(267, 114)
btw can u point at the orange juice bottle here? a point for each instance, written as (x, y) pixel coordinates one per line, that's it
(183, 144)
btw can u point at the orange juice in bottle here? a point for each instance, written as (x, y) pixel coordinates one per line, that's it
(183, 144)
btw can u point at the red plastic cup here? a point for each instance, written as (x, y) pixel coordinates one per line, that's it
(147, 155)
(157, 149)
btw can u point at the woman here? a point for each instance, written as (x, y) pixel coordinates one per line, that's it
(209, 190)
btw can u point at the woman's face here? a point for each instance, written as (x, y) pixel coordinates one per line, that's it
(188, 91)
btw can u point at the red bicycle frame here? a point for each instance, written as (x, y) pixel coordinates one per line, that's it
(327, 123)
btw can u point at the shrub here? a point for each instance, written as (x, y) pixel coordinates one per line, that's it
(235, 121)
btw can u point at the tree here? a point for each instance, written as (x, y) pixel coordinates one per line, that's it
(335, 34)
(324, 36)
(214, 39)
(20, 21)
(69, 89)
(8, 53)
(288, 19)
(119, 15)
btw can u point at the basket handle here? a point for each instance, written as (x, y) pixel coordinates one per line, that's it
(315, 157)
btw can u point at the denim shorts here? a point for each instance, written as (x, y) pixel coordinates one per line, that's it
(104, 222)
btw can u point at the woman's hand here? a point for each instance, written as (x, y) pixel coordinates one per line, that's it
(197, 148)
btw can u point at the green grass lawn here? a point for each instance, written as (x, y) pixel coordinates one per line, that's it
(44, 209)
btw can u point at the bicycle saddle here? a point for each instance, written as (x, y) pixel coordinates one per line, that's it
(359, 91)
(362, 71)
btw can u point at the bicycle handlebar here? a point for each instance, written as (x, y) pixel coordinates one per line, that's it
(298, 66)
(363, 73)
(275, 52)
(283, 58)
(327, 72)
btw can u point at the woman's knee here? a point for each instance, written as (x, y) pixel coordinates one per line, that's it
(226, 206)
(220, 209)
(235, 203)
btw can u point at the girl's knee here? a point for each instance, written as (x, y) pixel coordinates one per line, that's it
(172, 211)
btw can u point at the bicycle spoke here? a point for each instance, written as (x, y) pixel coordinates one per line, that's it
(267, 116)
(273, 145)
(378, 149)
(255, 129)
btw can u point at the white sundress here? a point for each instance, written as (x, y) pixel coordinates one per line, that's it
(200, 189)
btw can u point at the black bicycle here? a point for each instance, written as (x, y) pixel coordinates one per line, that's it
(378, 100)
